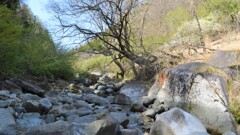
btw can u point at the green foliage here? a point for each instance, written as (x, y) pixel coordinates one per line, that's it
(10, 41)
(224, 6)
(94, 45)
(176, 17)
(95, 62)
(28, 49)
(225, 10)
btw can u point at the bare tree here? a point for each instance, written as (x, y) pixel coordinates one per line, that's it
(106, 21)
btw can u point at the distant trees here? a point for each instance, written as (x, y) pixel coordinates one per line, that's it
(105, 26)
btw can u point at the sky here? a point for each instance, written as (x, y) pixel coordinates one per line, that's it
(38, 7)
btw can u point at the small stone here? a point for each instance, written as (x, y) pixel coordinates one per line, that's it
(129, 132)
(56, 128)
(50, 118)
(150, 113)
(147, 101)
(109, 90)
(101, 87)
(45, 104)
(80, 104)
(32, 106)
(121, 118)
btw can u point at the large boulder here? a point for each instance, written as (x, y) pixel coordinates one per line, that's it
(7, 122)
(177, 122)
(131, 93)
(105, 126)
(199, 89)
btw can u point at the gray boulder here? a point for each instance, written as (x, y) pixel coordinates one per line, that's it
(30, 87)
(91, 98)
(27, 96)
(131, 93)
(7, 122)
(106, 126)
(6, 103)
(177, 122)
(56, 128)
(199, 89)
(66, 110)
(120, 117)
(84, 120)
(32, 106)
(81, 103)
(153, 91)
(30, 120)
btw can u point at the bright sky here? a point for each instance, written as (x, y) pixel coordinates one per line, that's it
(38, 7)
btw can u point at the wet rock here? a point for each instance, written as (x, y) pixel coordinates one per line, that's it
(7, 122)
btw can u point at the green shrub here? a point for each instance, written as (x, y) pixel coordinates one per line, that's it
(29, 49)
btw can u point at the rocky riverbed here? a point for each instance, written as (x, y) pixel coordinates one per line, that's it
(185, 102)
